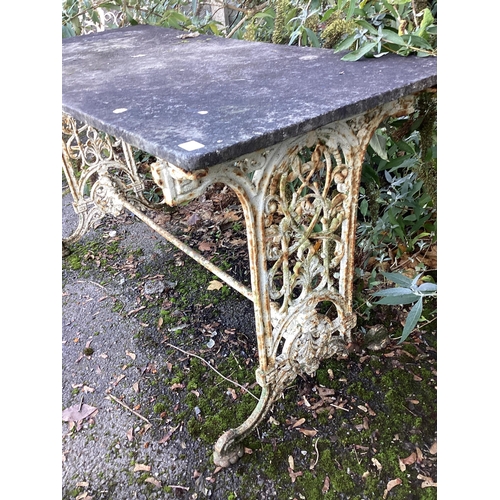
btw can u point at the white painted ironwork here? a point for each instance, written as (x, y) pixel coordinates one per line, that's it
(299, 198)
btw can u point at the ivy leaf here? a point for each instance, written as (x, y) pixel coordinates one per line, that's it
(412, 319)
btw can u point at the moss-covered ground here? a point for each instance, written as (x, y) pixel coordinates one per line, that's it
(361, 428)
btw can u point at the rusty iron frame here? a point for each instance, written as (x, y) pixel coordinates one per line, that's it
(299, 199)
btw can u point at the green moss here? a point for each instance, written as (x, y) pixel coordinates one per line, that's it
(159, 408)
(359, 390)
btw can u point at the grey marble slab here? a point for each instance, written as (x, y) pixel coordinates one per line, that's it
(199, 101)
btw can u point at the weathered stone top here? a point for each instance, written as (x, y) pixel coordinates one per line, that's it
(199, 101)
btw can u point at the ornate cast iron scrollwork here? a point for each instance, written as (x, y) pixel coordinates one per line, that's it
(88, 155)
(299, 198)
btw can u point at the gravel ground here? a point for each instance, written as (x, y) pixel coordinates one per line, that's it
(123, 433)
(113, 454)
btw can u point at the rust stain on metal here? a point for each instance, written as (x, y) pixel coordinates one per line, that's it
(300, 213)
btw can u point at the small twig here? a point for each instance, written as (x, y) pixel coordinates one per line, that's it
(90, 281)
(357, 458)
(317, 454)
(129, 409)
(249, 14)
(178, 487)
(339, 407)
(238, 26)
(406, 408)
(214, 369)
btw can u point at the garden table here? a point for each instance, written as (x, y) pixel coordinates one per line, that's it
(285, 127)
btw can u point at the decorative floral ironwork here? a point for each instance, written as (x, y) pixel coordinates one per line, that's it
(299, 198)
(87, 155)
(304, 212)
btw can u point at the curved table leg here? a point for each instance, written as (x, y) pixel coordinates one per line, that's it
(300, 203)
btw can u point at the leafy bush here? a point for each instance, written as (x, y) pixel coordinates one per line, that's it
(408, 292)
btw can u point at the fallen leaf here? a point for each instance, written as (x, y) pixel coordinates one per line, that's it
(326, 485)
(294, 475)
(87, 389)
(370, 411)
(410, 459)
(83, 496)
(231, 216)
(77, 412)
(427, 481)
(308, 432)
(391, 484)
(291, 463)
(130, 434)
(238, 242)
(215, 285)
(325, 392)
(168, 435)
(120, 377)
(133, 311)
(300, 421)
(248, 451)
(206, 246)
(142, 467)
(377, 464)
(154, 481)
(434, 448)
(135, 387)
(175, 387)
(192, 34)
(193, 219)
(130, 354)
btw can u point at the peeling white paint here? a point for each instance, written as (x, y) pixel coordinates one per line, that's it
(191, 145)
